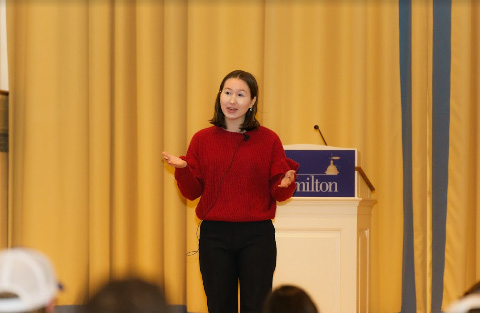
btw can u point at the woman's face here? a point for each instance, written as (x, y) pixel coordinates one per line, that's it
(235, 100)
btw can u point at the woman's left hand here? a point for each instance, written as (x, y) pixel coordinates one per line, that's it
(287, 179)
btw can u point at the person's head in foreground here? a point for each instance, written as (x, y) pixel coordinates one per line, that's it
(27, 281)
(129, 295)
(469, 303)
(289, 299)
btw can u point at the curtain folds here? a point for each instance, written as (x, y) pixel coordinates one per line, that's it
(98, 89)
(462, 243)
(444, 141)
(421, 141)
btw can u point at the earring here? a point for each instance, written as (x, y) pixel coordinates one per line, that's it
(249, 109)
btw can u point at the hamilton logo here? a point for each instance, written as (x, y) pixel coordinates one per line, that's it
(332, 168)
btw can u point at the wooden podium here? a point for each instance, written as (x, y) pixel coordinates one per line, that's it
(324, 241)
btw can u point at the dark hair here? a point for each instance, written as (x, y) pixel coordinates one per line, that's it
(130, 295)
(250, 122)
(473, 289)
(289, 299)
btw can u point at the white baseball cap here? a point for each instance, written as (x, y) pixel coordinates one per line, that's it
(465, 304)
(30, 276)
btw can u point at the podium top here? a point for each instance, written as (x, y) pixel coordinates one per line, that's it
(314, 147)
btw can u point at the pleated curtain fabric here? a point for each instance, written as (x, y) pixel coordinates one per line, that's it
(98, 89)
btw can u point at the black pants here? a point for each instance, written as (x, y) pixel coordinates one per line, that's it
(232, 253)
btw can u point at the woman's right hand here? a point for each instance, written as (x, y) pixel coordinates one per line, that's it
(174, 160)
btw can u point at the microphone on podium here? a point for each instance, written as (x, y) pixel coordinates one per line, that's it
(318, 128)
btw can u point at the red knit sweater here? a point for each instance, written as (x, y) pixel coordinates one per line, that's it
(237, 179)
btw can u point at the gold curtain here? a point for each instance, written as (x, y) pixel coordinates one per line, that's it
(421, 37)
(462, 250)
(99, 88)
(462, 266)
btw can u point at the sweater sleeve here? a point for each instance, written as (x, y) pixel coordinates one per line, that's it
(280, 165)
(189, 179)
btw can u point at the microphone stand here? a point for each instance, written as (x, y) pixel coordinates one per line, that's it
(318, 128)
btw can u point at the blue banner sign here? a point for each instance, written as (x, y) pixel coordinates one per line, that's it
(324, 173)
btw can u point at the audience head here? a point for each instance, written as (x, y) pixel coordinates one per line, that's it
(474, 289)
(289, 299)
(129, 295)
(469, 303)
(27, 281)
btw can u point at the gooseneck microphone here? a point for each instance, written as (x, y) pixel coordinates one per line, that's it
(318, 128)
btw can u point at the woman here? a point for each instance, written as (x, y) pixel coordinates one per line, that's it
(240, 170)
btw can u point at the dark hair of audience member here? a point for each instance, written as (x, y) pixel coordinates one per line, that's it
(289, 299)
(473, 289)
(131, 295)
